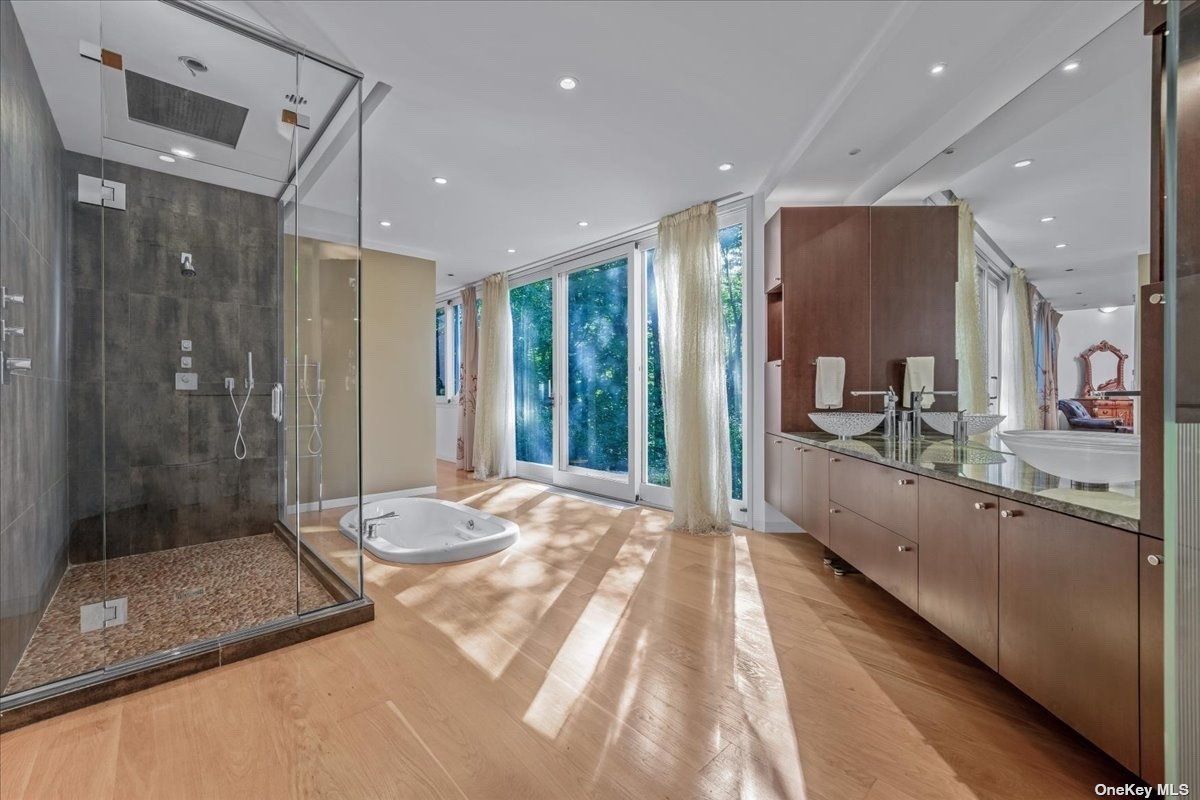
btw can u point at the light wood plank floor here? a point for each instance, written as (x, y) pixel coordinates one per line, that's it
(600, 657)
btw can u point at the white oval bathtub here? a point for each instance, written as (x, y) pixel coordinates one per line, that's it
(428, 531)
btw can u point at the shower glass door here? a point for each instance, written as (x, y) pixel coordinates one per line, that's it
(196, 145)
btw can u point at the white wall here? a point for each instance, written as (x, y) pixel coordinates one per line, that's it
(1079, 330)
(446, 422)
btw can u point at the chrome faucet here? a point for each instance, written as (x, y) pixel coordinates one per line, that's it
(889, 410)
(370, 522)
(916, 400)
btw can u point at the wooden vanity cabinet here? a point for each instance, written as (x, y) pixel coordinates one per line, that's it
(773, 470)
(792, 484)
(959, 536)
(883, 495)
(1150, 608)
(1068, 595)
(814, 504)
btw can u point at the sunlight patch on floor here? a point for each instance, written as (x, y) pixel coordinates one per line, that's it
(580, 654)
(474, 604)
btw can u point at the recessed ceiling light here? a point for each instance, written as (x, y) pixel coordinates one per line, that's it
(1079, 293)
(725, 167)
(583, 223)
(440, 181)
(1060, 245)
(856, 151)
(179, 151)
(938, 68)
(1047, 219)
(512, 250)
(1070, 66)
(1107, 309)
(1025, 162)
(167, 158)
(385, 223)
(1069, 269)
(449, 274)
(567, 82)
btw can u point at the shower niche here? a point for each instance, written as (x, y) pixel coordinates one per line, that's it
(180, 397)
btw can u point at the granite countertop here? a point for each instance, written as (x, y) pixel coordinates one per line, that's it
(986, 465)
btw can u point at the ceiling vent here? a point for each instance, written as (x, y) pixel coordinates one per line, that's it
(166, 105)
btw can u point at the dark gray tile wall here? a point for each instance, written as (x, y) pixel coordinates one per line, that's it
(33, 407)
(169, 478)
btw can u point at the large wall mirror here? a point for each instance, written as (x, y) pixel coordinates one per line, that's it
(1058, 180)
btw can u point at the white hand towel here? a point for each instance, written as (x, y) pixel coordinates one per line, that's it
(831, 375)
(918, 374)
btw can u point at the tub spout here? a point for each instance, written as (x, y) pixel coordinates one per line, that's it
(370, 522)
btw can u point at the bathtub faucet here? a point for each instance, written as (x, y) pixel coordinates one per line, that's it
(370, 522)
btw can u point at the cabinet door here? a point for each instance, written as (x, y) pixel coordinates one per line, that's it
(773, 396)
(772, 470)
(772, 255)
(885, 557)
(1151, 612)
(1069, 622)
(959, 565)
(792, 489)
(814, 510)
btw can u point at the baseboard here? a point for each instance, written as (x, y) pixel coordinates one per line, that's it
(343, 502)
(781, 526)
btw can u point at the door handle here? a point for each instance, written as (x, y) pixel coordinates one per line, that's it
(1154, 559)
(982, 506)
(1009, 514)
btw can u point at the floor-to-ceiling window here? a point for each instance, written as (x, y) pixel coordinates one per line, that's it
(598, 367)
(533, 370)
(586, 379)
(439, 351)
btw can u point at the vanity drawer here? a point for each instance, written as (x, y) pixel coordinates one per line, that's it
(885, 557)
(883, 495)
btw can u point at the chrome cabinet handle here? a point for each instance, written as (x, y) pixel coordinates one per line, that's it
(798, 449)
(834, 511)
(834, 460)
(1157, 299)
(903, 548)
(982, 506)
(1154, 560)
(1008, 514)
(903, 482)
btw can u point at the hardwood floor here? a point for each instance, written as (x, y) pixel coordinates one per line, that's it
(600, 657)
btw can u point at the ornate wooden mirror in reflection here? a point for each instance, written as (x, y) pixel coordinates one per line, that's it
(1097, 365)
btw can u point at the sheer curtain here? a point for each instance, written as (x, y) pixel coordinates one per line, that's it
(687, 283)
(495, 413)
(968, 339)
(468, 371)
(1018, 381)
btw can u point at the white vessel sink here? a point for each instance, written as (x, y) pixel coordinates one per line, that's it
(943, 422)
(845, 424)
(1084, 457)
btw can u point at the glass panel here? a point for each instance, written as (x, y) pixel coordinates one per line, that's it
(439, 352)
(533, 370)
(597, 367)
(192, 338)
(52, 543)
(730, 239)
(732, 277)
(456, 351)
(325, 424)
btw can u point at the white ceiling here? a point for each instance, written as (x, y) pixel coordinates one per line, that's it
(667, 92)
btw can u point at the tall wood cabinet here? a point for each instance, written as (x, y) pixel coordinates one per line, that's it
(873, 285)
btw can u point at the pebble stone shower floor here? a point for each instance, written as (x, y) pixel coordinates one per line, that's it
(176, 597)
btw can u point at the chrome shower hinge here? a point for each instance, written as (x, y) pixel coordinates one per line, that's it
(106, 614)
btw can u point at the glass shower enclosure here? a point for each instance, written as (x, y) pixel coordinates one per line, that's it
(180, 389)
